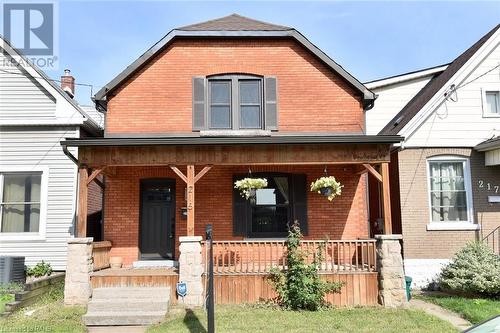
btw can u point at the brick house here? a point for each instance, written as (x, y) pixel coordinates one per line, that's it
(218, 101)
(448, 188)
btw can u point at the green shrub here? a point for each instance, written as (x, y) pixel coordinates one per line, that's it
(298, 285)
(40, 269)
(475, 269)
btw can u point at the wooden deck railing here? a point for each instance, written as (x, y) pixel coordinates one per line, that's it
(100, 255)
(258, 257)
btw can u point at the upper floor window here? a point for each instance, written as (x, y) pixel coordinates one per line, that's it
(234, 102)
(491, 103)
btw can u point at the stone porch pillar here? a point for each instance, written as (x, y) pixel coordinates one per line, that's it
(77, 288)
(191, 269)
(391, 279)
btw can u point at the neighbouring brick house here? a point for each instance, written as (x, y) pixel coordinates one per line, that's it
(448, 164)
(212, 103)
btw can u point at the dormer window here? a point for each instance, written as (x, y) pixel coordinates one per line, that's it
(234, 102)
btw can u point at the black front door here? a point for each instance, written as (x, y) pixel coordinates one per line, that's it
(157, 220)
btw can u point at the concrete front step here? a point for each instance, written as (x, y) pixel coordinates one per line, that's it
(156, 293)
(115, 318)
(127, 305)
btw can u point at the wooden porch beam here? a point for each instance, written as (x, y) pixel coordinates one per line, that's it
(81, 228)
(386, 194)
(374, 172)
(96, 172)
(179, 173)
(202, 173)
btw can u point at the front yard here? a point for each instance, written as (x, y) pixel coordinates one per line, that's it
(264, 319)
(49, 314)
(474, 310)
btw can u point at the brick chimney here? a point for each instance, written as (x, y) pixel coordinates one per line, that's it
(68, 83)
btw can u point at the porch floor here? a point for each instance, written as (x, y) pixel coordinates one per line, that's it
(130, 271)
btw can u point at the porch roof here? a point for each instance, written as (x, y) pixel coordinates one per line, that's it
(234, 140)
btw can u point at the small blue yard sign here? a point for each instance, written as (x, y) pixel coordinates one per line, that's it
(181, 289)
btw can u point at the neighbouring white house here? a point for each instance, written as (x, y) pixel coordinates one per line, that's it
(447, 169)
(38, 182)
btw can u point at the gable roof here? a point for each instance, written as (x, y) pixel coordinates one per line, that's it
(54, 89)
(432, 87)
(232, 26)
(234, 22)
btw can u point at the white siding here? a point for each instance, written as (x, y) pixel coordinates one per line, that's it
(461, 123)
(391, 99)
(25, 148)
(21, 96)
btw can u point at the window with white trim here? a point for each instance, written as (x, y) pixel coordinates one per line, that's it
(20, 194)
(449, 190)
(491, 103)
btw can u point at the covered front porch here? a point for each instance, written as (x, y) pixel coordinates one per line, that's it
(159, 191)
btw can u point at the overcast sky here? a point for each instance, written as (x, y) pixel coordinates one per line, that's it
(97, 40)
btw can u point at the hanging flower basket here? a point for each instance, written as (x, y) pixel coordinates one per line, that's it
(327, 186)
(249, 186)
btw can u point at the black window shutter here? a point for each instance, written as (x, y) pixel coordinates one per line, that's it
(300, 190)
(271, 103)
(240, 211)
(199, 103)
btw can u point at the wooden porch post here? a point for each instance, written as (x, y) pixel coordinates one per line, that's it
(190, 179)
(386, 194)
(190, 200)
(82, 202)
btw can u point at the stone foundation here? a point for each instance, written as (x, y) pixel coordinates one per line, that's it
(77, 288)
(191, 270)
(392, 289)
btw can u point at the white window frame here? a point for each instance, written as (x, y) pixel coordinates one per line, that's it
(484, 90)
(21, 236)
(461, 225)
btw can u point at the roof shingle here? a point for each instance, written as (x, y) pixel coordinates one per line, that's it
(234, 22)
(432, 87)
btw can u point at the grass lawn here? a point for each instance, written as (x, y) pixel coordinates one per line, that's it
(258, 319)
(48, 314)
(474, 310)
(4, 299)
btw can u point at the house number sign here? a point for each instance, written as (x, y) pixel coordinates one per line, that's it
(488, 186)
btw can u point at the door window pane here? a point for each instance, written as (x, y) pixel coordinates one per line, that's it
(448, 194)
(21, 203)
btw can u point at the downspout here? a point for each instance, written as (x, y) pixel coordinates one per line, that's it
(71, 156)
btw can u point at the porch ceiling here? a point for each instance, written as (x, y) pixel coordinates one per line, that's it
(345, 149)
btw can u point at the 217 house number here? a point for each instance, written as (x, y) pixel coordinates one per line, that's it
(488, 186)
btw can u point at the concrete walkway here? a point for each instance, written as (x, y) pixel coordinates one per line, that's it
(444, 314)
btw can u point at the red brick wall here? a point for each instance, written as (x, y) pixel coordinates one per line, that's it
(157, 99)
(344, 218)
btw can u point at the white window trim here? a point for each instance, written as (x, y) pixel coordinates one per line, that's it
(24, 236)
(489, 88)
(461, 225)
